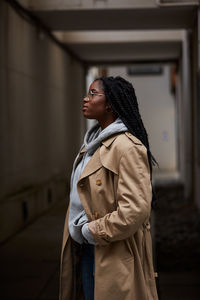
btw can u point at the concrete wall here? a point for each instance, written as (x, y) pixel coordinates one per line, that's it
(157, 107)
(41, 124)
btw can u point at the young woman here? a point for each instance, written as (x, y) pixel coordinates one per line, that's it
(107, 250)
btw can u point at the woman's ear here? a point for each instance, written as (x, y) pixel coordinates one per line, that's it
(108, 108)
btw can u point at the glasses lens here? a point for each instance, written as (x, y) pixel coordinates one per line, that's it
(89, 95)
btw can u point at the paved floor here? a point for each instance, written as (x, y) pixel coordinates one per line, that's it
(29, 264)
(177, 236)
(179, 285)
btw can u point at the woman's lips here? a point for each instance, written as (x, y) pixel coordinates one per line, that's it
(84, 108)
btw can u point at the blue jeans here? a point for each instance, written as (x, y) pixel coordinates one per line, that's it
(87, 271)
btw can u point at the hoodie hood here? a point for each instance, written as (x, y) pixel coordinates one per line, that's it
(94, 136)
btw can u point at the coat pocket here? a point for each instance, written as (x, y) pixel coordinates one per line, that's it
(128, 245)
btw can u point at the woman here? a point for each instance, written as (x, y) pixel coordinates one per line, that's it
(107, 250)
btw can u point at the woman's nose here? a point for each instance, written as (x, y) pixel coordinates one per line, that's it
(86, 98)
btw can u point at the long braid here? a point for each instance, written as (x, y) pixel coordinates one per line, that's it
(122, 99)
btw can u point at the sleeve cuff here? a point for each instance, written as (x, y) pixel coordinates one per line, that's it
(87, 235)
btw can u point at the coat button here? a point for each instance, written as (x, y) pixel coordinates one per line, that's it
(96, 215)
(98, 182)
(81, 184)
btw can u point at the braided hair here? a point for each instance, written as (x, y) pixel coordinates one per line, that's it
(122, 99)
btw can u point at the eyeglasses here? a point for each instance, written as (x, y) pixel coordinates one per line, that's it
(91, 94)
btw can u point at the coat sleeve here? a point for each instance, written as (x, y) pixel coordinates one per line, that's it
(134, 194)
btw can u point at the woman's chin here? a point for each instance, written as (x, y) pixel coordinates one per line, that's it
(86, 115)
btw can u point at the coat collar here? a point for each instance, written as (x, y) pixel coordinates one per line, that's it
(83, 149)
(110, 140)
(100, 158)
(106, 142)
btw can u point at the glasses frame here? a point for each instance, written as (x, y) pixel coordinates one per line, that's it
(91, 94)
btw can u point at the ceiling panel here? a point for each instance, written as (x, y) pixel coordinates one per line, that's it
(127, 51)
(120, 19)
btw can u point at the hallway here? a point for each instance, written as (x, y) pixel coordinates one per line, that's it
(50, 51)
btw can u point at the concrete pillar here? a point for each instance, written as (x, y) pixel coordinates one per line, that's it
(186, 115)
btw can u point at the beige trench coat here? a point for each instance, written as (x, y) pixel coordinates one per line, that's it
(115, 191)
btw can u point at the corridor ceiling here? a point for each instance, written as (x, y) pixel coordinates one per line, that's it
(100, 31)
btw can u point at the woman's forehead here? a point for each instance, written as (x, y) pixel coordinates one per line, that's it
(96, 85)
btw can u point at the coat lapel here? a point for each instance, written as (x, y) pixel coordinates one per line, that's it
(107, 157)
(79, 157)
(101, 157)
(93, 165)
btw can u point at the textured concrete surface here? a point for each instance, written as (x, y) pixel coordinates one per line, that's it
(30, 260)
(41, 89)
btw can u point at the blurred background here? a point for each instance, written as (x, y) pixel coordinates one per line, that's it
(50, 51)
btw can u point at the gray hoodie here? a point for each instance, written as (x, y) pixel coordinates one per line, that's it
(78, 221)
